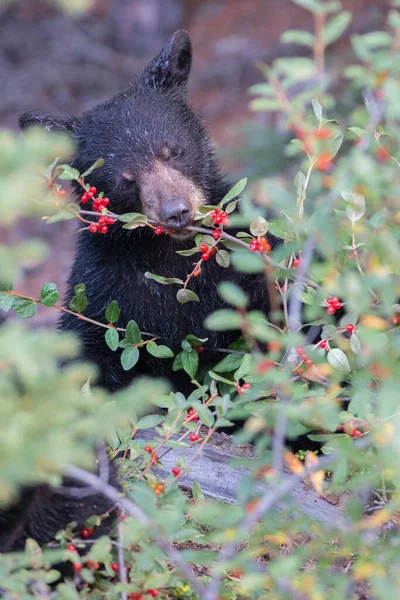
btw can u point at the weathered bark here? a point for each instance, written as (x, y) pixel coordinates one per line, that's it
(220, 480)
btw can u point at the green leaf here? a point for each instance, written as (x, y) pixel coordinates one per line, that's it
(132, 333)
(259, 226)
(184, 295)
(355, 343)
(337, 139)
(195, 341)
(223, 320)
(6, 302)
(163, 280)
(223, 258)
(247, 262)
(177, 364)
(313, 5)
(336, 26)
(24, 308)
(186, 346)
(67, 172)
(359, 132)
(234, 192)
(159, 351)
(79, 302)
(245, 367)
(190, 362)
(317, 108)
(99, 163)
(261, 104)
(205, 415)
(233, 294)
(197, 493)
(112, 338)
(338, 360)
(112, 312)
(295, 36)
(49, 294)
(189, 252)
(355, 208)
(150, 421)
(129, 358)
(229, 363)
(219, 378)
(128, 217)
(138, 221)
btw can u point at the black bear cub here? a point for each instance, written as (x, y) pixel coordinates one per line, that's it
(158, 161)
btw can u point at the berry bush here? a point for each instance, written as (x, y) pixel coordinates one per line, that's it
(324, 364)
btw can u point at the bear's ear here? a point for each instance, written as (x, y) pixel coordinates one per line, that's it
(48, 122)
(169, 70)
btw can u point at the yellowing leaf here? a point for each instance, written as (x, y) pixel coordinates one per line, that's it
(377, 520)
(294, 464)
(385, 434)
(373, 322)
(317, 478)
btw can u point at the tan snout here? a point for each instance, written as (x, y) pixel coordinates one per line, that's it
(169, 197)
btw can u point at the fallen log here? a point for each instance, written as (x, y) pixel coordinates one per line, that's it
(219, 479)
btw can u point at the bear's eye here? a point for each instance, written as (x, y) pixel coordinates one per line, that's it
(176, 152)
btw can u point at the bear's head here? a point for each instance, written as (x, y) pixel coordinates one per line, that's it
(158, 158)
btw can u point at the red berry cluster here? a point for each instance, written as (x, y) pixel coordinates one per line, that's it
(194, 437)
(296, 263)
(191, 416)
(260, 245)
(199, 349)
(86, 532)
(333, 304)
(219, 216)
(206, 252)
(98, 205)
(242, 389)
(304, 358)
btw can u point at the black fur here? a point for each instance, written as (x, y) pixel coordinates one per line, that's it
(129, 132)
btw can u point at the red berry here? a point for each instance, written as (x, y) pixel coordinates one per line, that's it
(154, 459)
(194, 437)
(158, 230)
(191, 411)
(216, 234)
(199, 349)
(304, 357)
(254, 246)
(300, 350)
(89, 194)
(356, 433)
(72, 548)
(103, 220)
(93, 190)
(115, 567)
(331, 310)
(62, 193)
(211, 251)
(86, 532)
(103, 228)
(299, 371)
(246, 386)
(203, 248)
(105, 201)
(382, 154)
(296, 263)
(148, 449)
(110, 221)
(205, 256)
(350, 328)
(308, 363)
(323, 344)
(176, 471)
(77, 567)
(93, 228)
(152, 593)
(85, 198)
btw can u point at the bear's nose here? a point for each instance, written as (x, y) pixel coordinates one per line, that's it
(175, 214)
